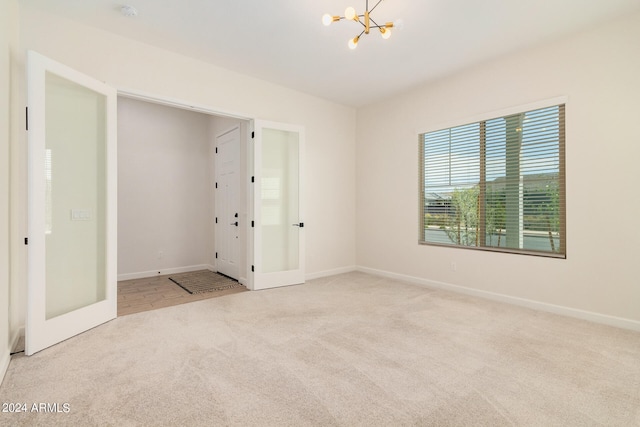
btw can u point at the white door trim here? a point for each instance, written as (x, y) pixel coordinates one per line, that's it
(179, 103)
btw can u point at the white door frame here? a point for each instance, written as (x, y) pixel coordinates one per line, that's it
(177, 103)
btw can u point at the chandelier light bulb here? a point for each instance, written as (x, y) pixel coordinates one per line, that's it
(365, 21)
(350, 13)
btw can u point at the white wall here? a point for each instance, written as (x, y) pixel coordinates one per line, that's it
(7, 8)
(164, 202)
(18, 184)
(598, 71)
(128, 65)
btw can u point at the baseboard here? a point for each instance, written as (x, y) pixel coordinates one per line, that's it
(5, 358)
(604, 319)
(332, 272)
(16, 337)
(175, 270)
(242, 280)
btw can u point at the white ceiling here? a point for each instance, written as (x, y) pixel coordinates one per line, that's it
(284, 41)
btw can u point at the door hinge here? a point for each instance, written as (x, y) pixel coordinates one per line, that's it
(27, 117)
(253, 135)
(216, 150)
(253, 179)
(252, 224)
(216, 220)
(26, 240)
(216, 255)
(252, 268)
(216, 185)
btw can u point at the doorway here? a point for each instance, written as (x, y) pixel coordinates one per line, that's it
(168, 201)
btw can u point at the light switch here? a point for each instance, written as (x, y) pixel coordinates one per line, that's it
(80, 214)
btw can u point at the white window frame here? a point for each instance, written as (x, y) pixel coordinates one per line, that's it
(561, 253)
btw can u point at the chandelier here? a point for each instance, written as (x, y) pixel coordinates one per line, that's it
(365, 20)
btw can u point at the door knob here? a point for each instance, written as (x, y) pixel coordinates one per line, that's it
(234, 223)
(299, 225)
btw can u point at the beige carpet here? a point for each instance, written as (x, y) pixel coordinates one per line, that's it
(349, 350)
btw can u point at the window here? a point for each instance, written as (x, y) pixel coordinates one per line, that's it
(496, 184)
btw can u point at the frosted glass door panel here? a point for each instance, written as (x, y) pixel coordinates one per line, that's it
(280, 200)
(75, 174)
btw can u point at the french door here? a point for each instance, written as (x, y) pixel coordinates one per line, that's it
(72, 209)
(278, 221)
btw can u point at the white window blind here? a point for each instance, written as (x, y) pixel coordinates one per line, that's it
(497, 184)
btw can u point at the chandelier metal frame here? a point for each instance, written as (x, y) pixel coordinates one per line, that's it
(364, 19)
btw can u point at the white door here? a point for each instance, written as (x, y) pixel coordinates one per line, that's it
(278, 244)
(72, 209)
(227, 217)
